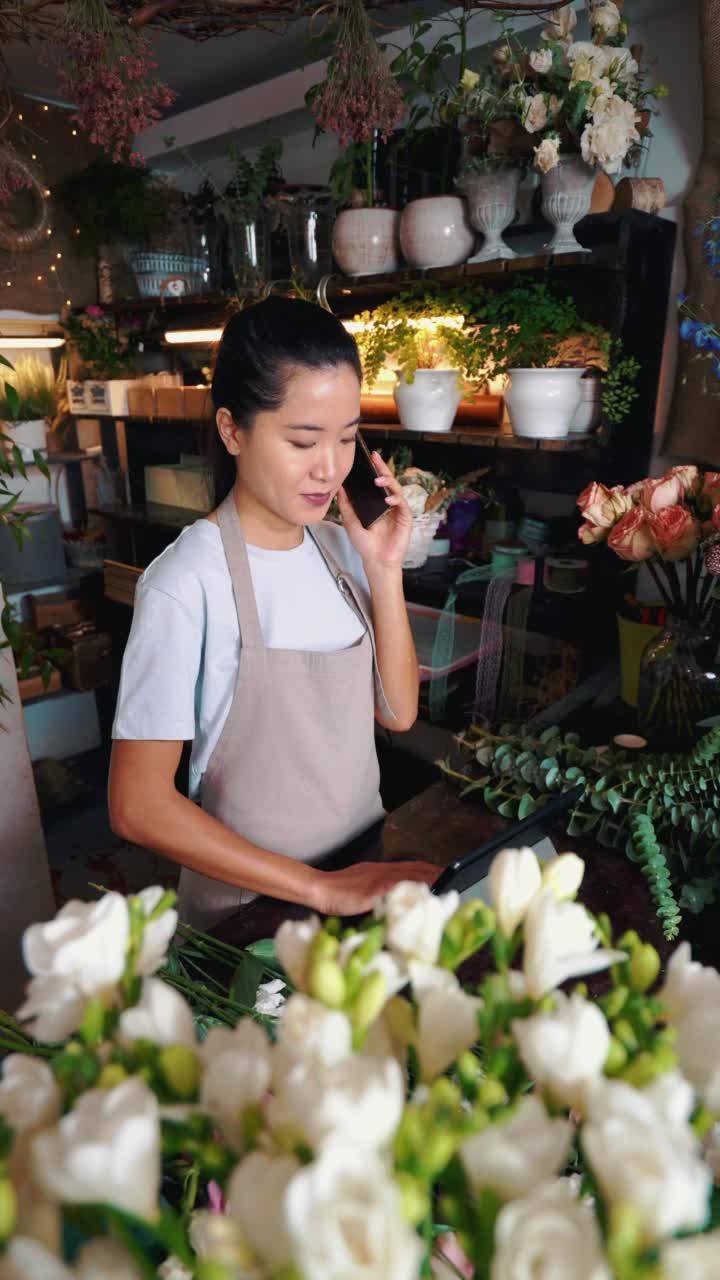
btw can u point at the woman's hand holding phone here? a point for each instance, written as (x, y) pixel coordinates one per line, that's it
(386, 542)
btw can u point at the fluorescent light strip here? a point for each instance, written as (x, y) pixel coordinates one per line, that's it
(192, 337)
(30, 344)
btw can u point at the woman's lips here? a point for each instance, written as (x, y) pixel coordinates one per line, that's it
(316, 499)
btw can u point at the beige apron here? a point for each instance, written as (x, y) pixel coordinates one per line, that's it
(295, 768)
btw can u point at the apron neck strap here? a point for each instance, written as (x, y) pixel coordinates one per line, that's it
(239, 566)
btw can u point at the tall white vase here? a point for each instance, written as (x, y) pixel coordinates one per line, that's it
(492, 203)
(542, 402)
(566, 195)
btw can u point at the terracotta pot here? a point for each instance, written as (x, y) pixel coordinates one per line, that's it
(435, 232)
(365, 242)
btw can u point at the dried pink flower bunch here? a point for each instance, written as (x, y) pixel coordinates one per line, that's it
(360, 93)
(117, 95)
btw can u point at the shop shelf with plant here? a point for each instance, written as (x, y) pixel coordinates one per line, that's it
(248, 210)
(661, 810)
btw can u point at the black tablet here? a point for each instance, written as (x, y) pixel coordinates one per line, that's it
(467, 873)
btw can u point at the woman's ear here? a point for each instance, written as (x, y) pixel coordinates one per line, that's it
(229, 431)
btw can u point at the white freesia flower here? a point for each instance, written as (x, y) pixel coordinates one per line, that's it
(547, 155)
(292, 948)
(345, 1220)
(394, 969)
(694, 1259)
(512, 1158)
(26, 1259)
(425, 978)
(535, 116)
(564, 1051)
(446, 1027)
(548, 1235)
(161, 1016)
(29, 1097)
(563, 875)
(415, 919)
(688, 984)
(712, 1151)
(698, 1051)
(255, 1203)
(105, 1259)
(560, 943)
(310, 1032)
(360, 1099)
(216, 1237)
(541, 61)
(173, 1269)
(269, 998)
(237, 1075)
(107, 1148)
(672, 1097)
(641, 1160)
(606, 18)
(513, 881)
(157, 933)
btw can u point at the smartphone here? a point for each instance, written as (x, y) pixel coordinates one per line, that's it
(367, 498)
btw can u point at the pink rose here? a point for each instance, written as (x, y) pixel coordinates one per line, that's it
(665, 491)
(95, 312)
(603, 507)
(632, 537)
(676, 532)
(711, 486)
(689, 478)
(591, 533)
(716, 516)
(635, 491)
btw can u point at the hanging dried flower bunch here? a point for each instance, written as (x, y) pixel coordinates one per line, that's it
(360, 94)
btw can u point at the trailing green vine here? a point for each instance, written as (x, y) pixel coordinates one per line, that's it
(662, 810)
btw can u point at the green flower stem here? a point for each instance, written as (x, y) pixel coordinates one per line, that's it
(206, 941)
(200, 989)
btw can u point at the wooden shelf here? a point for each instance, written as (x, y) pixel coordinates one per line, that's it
(151, 513)
(484, 438)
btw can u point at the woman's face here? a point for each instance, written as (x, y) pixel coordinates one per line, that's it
(293, 460)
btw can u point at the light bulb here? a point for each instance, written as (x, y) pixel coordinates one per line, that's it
(46, 108)
(20, 115)
(53, 267)
(58, 255)
(33, 156)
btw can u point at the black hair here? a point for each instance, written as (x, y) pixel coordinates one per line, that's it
(259, 348)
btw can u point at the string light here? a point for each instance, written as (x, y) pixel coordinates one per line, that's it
(39, 278)
(74, 133)
(46, 192)
(58, 255)
(20, 115)
(53, 267)
(46, 108)
(33, 156)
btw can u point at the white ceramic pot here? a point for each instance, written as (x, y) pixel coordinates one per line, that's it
(430, 401)
(435, 232)
(566, 195)
(588, 414)
(29, 436)
(365, 242)
(542, 402)
(423, 531)
(492, 204)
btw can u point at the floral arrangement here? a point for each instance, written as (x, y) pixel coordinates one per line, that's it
(663, 521)
(696, 325)
(564, 96)
(653, 809)
(508, 1129)
(95, 337)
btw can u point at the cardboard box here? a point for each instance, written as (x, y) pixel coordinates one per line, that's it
(178, 485)
(198, 402)
(141, 402)
(170, 402)
(107, 399)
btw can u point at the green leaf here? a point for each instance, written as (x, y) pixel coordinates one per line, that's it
(6, 362)
(264, 948)
(41, 464)
(19, 461)
(526, 807)
(13, 399)
(246, 980)
(509, 809)
(614, 799)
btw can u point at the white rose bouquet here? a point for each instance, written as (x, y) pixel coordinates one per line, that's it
(383, 1122)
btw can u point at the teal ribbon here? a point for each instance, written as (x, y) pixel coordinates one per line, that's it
(444, 644)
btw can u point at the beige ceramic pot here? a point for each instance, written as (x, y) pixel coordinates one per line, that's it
(435, 232)
(365, 242)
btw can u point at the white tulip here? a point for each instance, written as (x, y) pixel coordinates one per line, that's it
(85, 944)
(415, 919)
(515, 1156)
(157, 934)
(161, 1016)
(698, 1051)
(641, 1160)
(310, 1032)
(564, 1051)
(560, 943)
(237, 1075)
(106, 1149)
(53, 1009)
(513, 882)
(29, 1097)
(292, 948)
(563, 875)
(446, 1026)
(105, 1259)
(695, 1259)
(549, 1235)
(255, 1203)
(687, 984)
(360, 1099)
(269, 998)
(25, 1259)
(345, 1220)
(541, 61)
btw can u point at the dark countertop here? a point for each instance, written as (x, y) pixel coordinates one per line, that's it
(436, 826)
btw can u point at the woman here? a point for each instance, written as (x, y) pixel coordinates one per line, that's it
(272, 639)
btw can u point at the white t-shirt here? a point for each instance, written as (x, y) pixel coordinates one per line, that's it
(180, 664)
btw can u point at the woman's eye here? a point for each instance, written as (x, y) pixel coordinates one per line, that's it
(295, 445)
(352, 440)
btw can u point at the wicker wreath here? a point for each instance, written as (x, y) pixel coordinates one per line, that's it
(22, 239)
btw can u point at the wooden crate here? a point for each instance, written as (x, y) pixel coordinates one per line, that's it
(121, 581)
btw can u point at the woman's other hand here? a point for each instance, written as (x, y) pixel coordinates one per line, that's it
(356, 889)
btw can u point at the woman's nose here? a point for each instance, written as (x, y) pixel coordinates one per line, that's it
(325, 465)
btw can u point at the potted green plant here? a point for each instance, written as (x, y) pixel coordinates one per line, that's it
(108, 360)
(245, 206)
(27, 400)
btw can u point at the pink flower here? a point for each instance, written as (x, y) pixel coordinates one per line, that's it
(716, 516)
(665, 491)
(216, 1199)
(676, 532)
(451, 1252)
(632, 538)
(94, 311)
(711, 486)
(603, 507)
(689, 478)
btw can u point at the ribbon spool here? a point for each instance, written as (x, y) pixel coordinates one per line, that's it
(565, 576)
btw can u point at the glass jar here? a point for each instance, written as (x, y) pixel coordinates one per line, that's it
(679, 686)
(249, 250)
(308, 217)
